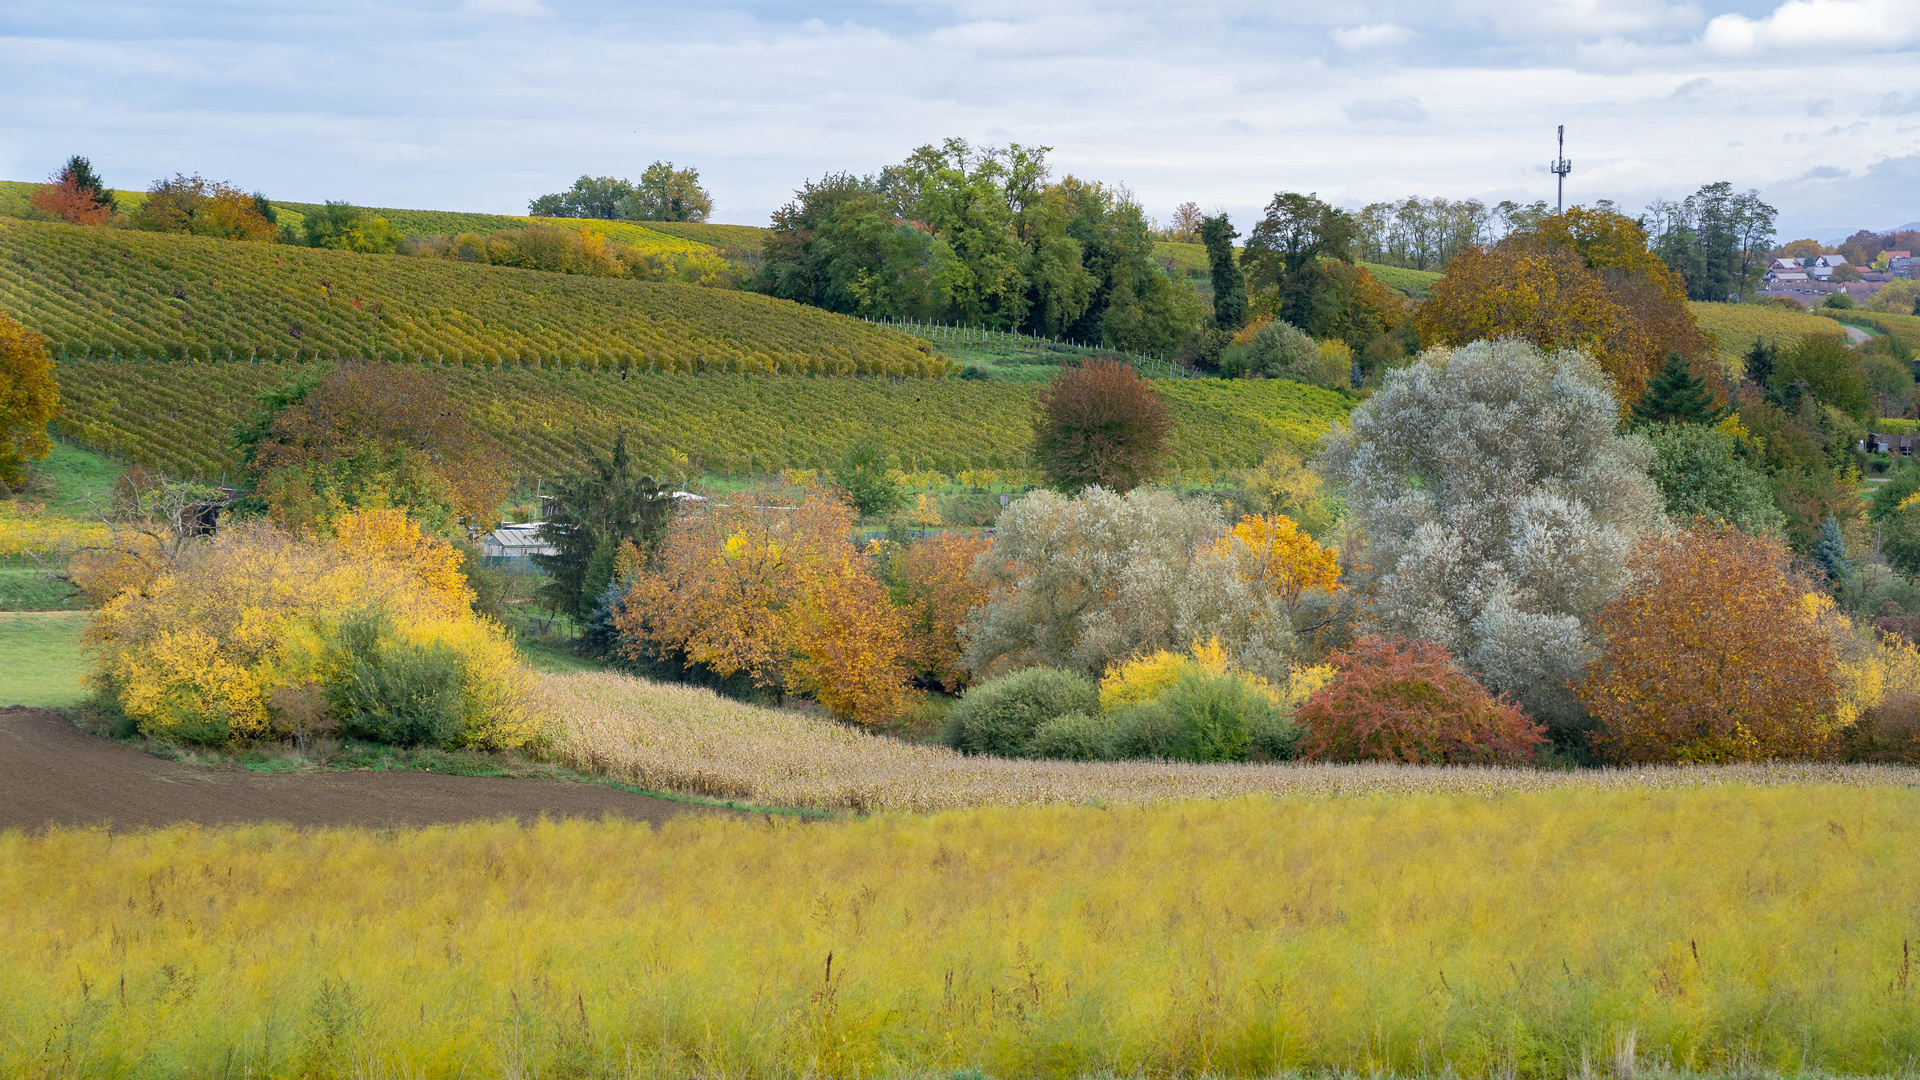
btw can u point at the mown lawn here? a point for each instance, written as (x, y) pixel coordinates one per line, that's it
(40, 659)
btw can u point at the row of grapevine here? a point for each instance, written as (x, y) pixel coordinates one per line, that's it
(1151, 365)
(1737, 326)
(118, 294)
(179, 417)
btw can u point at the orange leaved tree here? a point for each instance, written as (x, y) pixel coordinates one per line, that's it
(1712, 655)
(28, 399)
(770, 586)
(935, 585)
(1582, 279)
(66, 199)
(1394, 699)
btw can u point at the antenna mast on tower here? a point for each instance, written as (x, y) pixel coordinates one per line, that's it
(1560, 168)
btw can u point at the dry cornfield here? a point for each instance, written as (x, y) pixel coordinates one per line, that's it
(673, 738)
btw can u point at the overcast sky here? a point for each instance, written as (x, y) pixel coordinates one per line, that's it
(482, 104)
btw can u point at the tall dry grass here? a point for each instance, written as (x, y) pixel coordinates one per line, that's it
(1518, 935)
(674, 738)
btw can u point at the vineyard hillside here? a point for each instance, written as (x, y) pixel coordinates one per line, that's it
(179, 416)
(1738, 326)
(116, 293)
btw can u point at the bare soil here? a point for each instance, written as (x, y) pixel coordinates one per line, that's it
(52, 773)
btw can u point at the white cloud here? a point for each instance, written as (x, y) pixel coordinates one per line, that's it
(1406, 110)
(1371, 36)
(1693, 88)
(1799, 26)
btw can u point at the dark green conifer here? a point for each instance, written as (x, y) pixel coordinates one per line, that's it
(1678, 396)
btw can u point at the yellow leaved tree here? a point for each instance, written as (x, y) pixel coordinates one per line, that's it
(1276, 556)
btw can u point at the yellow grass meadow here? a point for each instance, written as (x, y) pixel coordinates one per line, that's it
(665, 737)
(1531, 934)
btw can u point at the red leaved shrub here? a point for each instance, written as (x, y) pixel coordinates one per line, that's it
(1401, 700)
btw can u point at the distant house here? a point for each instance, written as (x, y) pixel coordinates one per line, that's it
(1790, 275)
(1898, 254)
(1786, 265)
(1881, 443)
(1823, 267)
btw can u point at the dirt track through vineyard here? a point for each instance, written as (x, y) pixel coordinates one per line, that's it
(52, 773)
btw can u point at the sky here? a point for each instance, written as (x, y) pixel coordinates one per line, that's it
(480, 105)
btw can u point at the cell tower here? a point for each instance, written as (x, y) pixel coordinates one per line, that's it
(1560, 168)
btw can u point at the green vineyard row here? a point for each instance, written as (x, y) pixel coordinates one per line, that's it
(115, 293)
(178, 417)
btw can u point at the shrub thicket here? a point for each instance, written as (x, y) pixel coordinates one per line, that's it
(1001, 716)
(1401, 700)
(207, 643)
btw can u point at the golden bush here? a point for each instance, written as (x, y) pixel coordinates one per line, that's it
(199, 649)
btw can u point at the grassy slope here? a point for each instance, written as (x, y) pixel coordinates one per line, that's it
(1737, 326)
(178, 416)
(1525, 935)
(40, 660)
(104, 289)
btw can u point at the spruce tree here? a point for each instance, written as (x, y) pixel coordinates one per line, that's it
(1678, 396)
(1831, 551)
(1229, 284)
(79, 170)
(1760, 362)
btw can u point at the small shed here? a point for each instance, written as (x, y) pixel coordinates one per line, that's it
(1882, 443)
(512, 546)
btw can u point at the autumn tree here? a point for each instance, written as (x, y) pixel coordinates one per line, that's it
(372, 435)
(1393, 699)
(1582, 279)
(192, 204)
(1273, 554)
(770, 587)
(1712, 655)
(29, 400)
(75, 195)
(1100, 424)
(1186, 224)
(343, 227)
(934, 586)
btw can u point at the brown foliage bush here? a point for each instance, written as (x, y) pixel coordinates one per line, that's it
(1394, 699)
(1100, 424)
(1712, 655)
(1889, 733)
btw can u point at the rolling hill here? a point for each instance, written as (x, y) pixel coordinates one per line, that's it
(115, 293)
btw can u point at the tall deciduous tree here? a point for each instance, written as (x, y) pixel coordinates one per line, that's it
(29, 400)
(1712, 655)
(1582, 279)
(1498, 503)
(1285, 253)
(665, 193)
(192, 204)
(1716, 239)
(1100, 424)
